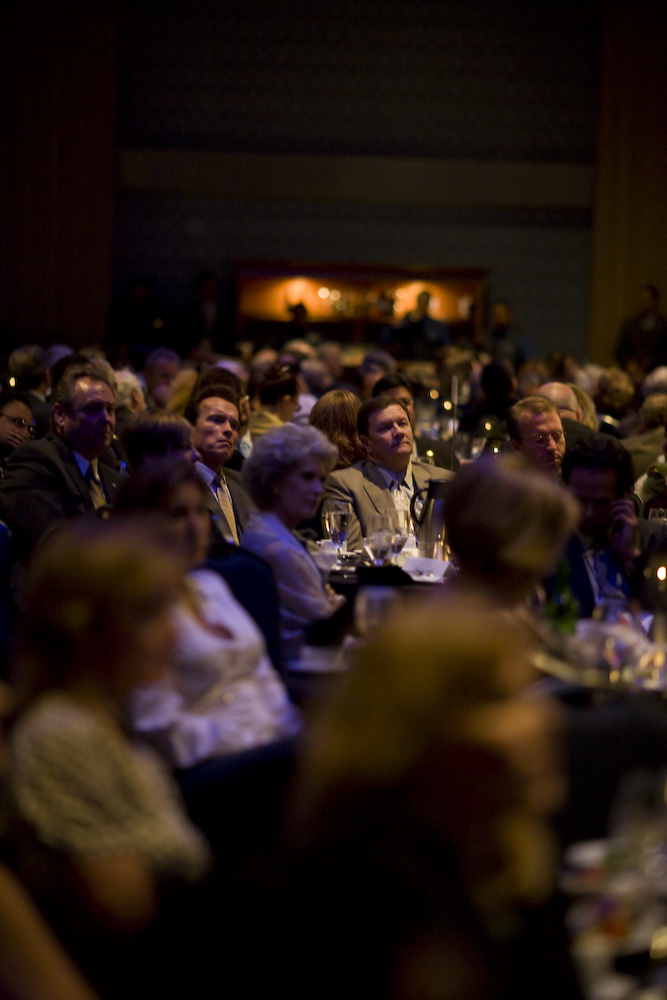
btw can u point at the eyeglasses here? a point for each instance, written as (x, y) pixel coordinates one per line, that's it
(20, 422)
(541, 440)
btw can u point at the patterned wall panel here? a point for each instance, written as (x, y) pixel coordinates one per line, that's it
(514, 79)
(478, 79)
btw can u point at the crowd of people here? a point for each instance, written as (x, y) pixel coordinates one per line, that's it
(172, 781)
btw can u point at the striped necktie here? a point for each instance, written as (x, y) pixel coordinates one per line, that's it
(226, 505)
(95, 488)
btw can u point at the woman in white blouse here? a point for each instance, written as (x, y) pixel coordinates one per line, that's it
(222, 694)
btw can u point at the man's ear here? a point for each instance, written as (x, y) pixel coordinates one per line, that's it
(366, 443)
(58, 413)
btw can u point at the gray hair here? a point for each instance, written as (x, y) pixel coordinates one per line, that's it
(126, 383)
(278, 453)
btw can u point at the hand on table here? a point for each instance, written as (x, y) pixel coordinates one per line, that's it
(623, 530)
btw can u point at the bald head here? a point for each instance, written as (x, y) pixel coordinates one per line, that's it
(563, 399)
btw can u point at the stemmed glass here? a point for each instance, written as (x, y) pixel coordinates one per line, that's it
(380, 538)
(338, 522)
(400, 530)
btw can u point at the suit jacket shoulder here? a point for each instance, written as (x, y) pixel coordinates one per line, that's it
(43, 486)
(243, 505)
(362, 485)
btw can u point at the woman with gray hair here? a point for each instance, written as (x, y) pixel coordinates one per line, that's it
(285, 477)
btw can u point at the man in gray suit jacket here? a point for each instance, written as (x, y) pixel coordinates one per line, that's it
(388, 477)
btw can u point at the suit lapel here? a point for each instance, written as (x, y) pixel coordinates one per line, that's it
(240, 498)
(73, 471)
(376, 489)
(111, 480)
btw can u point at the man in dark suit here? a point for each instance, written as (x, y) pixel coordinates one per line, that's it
(214, 413)
(607, 552)
(389, 478)
(60, 477)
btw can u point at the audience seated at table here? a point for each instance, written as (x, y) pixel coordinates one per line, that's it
(284, 477)
(222, 694)
(388, 478)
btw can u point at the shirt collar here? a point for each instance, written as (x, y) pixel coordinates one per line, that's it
(208, 475)
(84, 463)
(393, 477)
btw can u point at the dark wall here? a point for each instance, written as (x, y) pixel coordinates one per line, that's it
(478, 80)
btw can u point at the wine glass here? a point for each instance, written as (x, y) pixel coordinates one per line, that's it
(338, 523)
(400, 530)
(379, 540)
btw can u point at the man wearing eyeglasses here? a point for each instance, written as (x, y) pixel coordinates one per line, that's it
(16, 424)
(535, 429)
(60, 476)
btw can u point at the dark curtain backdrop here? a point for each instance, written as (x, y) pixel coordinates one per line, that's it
(630, 195)
(56, 168)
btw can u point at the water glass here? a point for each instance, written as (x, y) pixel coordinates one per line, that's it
(400, 530)
(379, 539)
(338, 521)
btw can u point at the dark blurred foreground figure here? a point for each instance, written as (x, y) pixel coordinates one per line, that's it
(222, 694)
(507, 526)
(99, 833)
(423, 865)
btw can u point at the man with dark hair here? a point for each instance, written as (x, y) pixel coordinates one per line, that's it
(214, 413)
(388, 479)
(535, 430)
(399, 387)
(605, 553)
(60, 477)
(278, 401)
